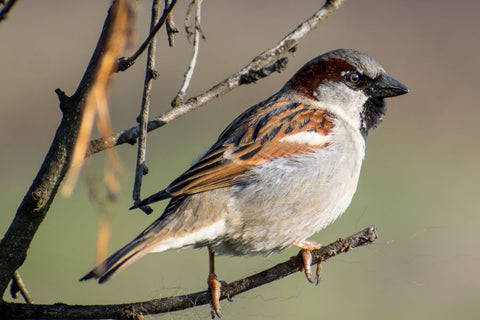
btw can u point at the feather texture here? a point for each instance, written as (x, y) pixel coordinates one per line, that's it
(264, 139)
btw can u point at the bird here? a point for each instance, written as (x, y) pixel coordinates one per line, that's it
(280, 172)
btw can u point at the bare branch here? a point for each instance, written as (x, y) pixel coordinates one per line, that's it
(262, 61)
(163, 305)
(6, 9)
(188, 16)
(171, 28)
(193, 62)
(150, 75)
(19, 286)
(37, 201)
(126, 63)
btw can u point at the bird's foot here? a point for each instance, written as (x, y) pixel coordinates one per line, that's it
(214, 285)
(306, 247)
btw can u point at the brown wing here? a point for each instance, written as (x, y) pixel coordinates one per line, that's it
(259, 135)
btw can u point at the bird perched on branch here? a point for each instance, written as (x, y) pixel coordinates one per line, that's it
(281, 171)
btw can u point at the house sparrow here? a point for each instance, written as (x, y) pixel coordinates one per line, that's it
(284, 169)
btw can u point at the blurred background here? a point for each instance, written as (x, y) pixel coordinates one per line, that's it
(419, 184)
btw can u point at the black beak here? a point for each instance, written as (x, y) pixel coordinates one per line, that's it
(387, 87)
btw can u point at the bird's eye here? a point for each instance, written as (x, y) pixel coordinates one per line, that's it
(353, 77)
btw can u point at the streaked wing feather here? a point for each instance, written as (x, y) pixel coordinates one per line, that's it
(252, 139)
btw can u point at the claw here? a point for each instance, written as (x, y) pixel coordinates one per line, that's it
(307, 264)
(214, 285)
(306, 247)
(318, 274)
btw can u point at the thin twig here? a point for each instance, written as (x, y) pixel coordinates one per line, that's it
(193, 62)
(150, 75)
(188, 16)
(264, 61)
(19, 286)
(171, 28)
(169, 304)
(6, 9)
(126, 63)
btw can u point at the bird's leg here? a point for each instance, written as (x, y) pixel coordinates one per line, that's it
(214, 285)
(306, 247)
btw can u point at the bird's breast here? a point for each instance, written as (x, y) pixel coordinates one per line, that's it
(291, 198)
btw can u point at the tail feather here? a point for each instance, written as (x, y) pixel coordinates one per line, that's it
(144, 243)
(116, 262)
(155, 238)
